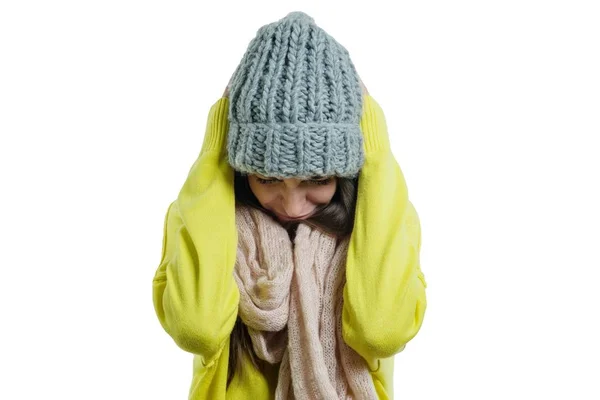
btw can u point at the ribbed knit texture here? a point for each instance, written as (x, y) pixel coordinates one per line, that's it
(291, 300)
(215, 134)
(296, 104)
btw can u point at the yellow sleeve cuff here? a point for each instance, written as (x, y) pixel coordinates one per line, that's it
(217, 125)
(373, 126)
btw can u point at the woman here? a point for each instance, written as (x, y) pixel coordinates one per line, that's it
(290, 261)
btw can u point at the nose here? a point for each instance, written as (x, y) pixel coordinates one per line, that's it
(294, 202)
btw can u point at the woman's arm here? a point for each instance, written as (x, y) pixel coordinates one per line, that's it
(195, 295)
(384, 295)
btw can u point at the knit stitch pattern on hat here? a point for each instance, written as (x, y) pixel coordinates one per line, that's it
(295, 104)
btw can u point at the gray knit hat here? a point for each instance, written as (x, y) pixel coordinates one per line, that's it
(295, 104)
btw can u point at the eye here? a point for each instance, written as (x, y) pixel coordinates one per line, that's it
(266, 181)
(321, 181)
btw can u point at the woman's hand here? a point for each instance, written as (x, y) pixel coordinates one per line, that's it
(363, 87)
(226, 93)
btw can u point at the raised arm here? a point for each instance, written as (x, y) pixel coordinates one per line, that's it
(195, 295)
(384, 295)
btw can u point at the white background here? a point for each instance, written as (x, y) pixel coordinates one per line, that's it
(493, 108)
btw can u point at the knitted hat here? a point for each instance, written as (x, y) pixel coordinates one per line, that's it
(295, 104)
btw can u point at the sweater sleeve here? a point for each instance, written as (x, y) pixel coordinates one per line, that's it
(384, 294)
(194, 292)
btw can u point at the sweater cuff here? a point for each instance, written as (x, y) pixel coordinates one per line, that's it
(217, 125)
(373, 126)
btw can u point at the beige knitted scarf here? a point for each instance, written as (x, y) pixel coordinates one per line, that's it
(291, 300)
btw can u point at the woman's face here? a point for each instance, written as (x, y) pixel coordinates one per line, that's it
(292, 199)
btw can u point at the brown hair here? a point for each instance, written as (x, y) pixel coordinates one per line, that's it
(336, 217)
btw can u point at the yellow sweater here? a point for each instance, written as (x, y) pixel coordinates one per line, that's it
(196, 297)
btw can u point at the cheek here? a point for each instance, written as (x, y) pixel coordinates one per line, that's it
(263, 193)
(323, 195)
